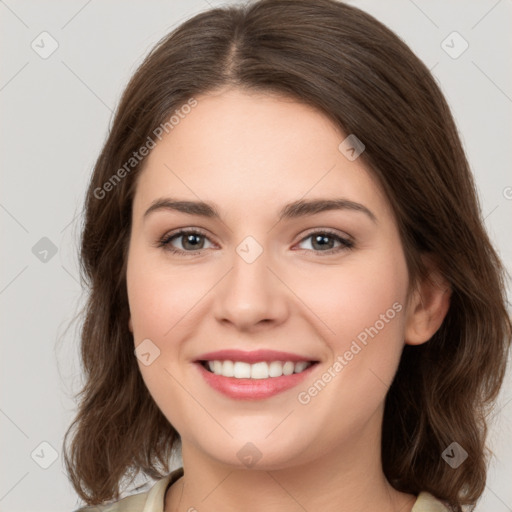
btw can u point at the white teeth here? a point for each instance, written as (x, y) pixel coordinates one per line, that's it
(288, 368)
(261, 370)
(241, 370)
(301, 366)
(275, 369)
(227, 369)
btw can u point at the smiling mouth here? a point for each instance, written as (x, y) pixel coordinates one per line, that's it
(258, 370)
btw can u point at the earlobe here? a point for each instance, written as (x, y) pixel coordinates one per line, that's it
(428, 307)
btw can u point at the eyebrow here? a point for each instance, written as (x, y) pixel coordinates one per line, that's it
(300, 208)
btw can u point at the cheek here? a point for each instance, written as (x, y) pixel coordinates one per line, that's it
(363, 305)
(161, 302)
(371, 327)
(160, 296)
(364, 308)
(368, 304)
(355, 296)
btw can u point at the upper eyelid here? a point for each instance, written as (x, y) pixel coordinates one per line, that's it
(184, 231)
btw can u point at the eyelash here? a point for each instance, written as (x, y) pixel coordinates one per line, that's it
(164, 242)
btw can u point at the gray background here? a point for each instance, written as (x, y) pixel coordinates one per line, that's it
(55, 114)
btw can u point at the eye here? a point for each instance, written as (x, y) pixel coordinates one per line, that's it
(325, 240)
(192, 241)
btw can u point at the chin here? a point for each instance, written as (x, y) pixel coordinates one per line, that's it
(257, 454)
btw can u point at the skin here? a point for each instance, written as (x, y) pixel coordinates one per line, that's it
(250, 154)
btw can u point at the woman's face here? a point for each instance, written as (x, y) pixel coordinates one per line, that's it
(322, 285)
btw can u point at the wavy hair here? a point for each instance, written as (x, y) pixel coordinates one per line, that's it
(352, 68)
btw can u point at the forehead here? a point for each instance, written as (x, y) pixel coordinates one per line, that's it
(238, 149)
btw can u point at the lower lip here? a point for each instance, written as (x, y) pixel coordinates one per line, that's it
(253, 389)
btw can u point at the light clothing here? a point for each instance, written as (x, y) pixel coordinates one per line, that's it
(153, 500)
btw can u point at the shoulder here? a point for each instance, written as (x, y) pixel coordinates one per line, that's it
(426, 502)
(149, 501)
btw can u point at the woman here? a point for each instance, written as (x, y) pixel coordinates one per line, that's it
(290, 280)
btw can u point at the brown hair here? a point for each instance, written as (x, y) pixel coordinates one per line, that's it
(368, 82)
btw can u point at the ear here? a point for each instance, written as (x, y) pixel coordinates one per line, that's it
(428, 305)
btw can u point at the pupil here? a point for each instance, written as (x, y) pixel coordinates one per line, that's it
(190, 239)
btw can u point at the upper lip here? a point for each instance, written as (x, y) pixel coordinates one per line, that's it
(254, 356)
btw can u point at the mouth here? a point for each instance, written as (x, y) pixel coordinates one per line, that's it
(253, 375)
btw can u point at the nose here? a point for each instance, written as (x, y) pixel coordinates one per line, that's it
(251, 296)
